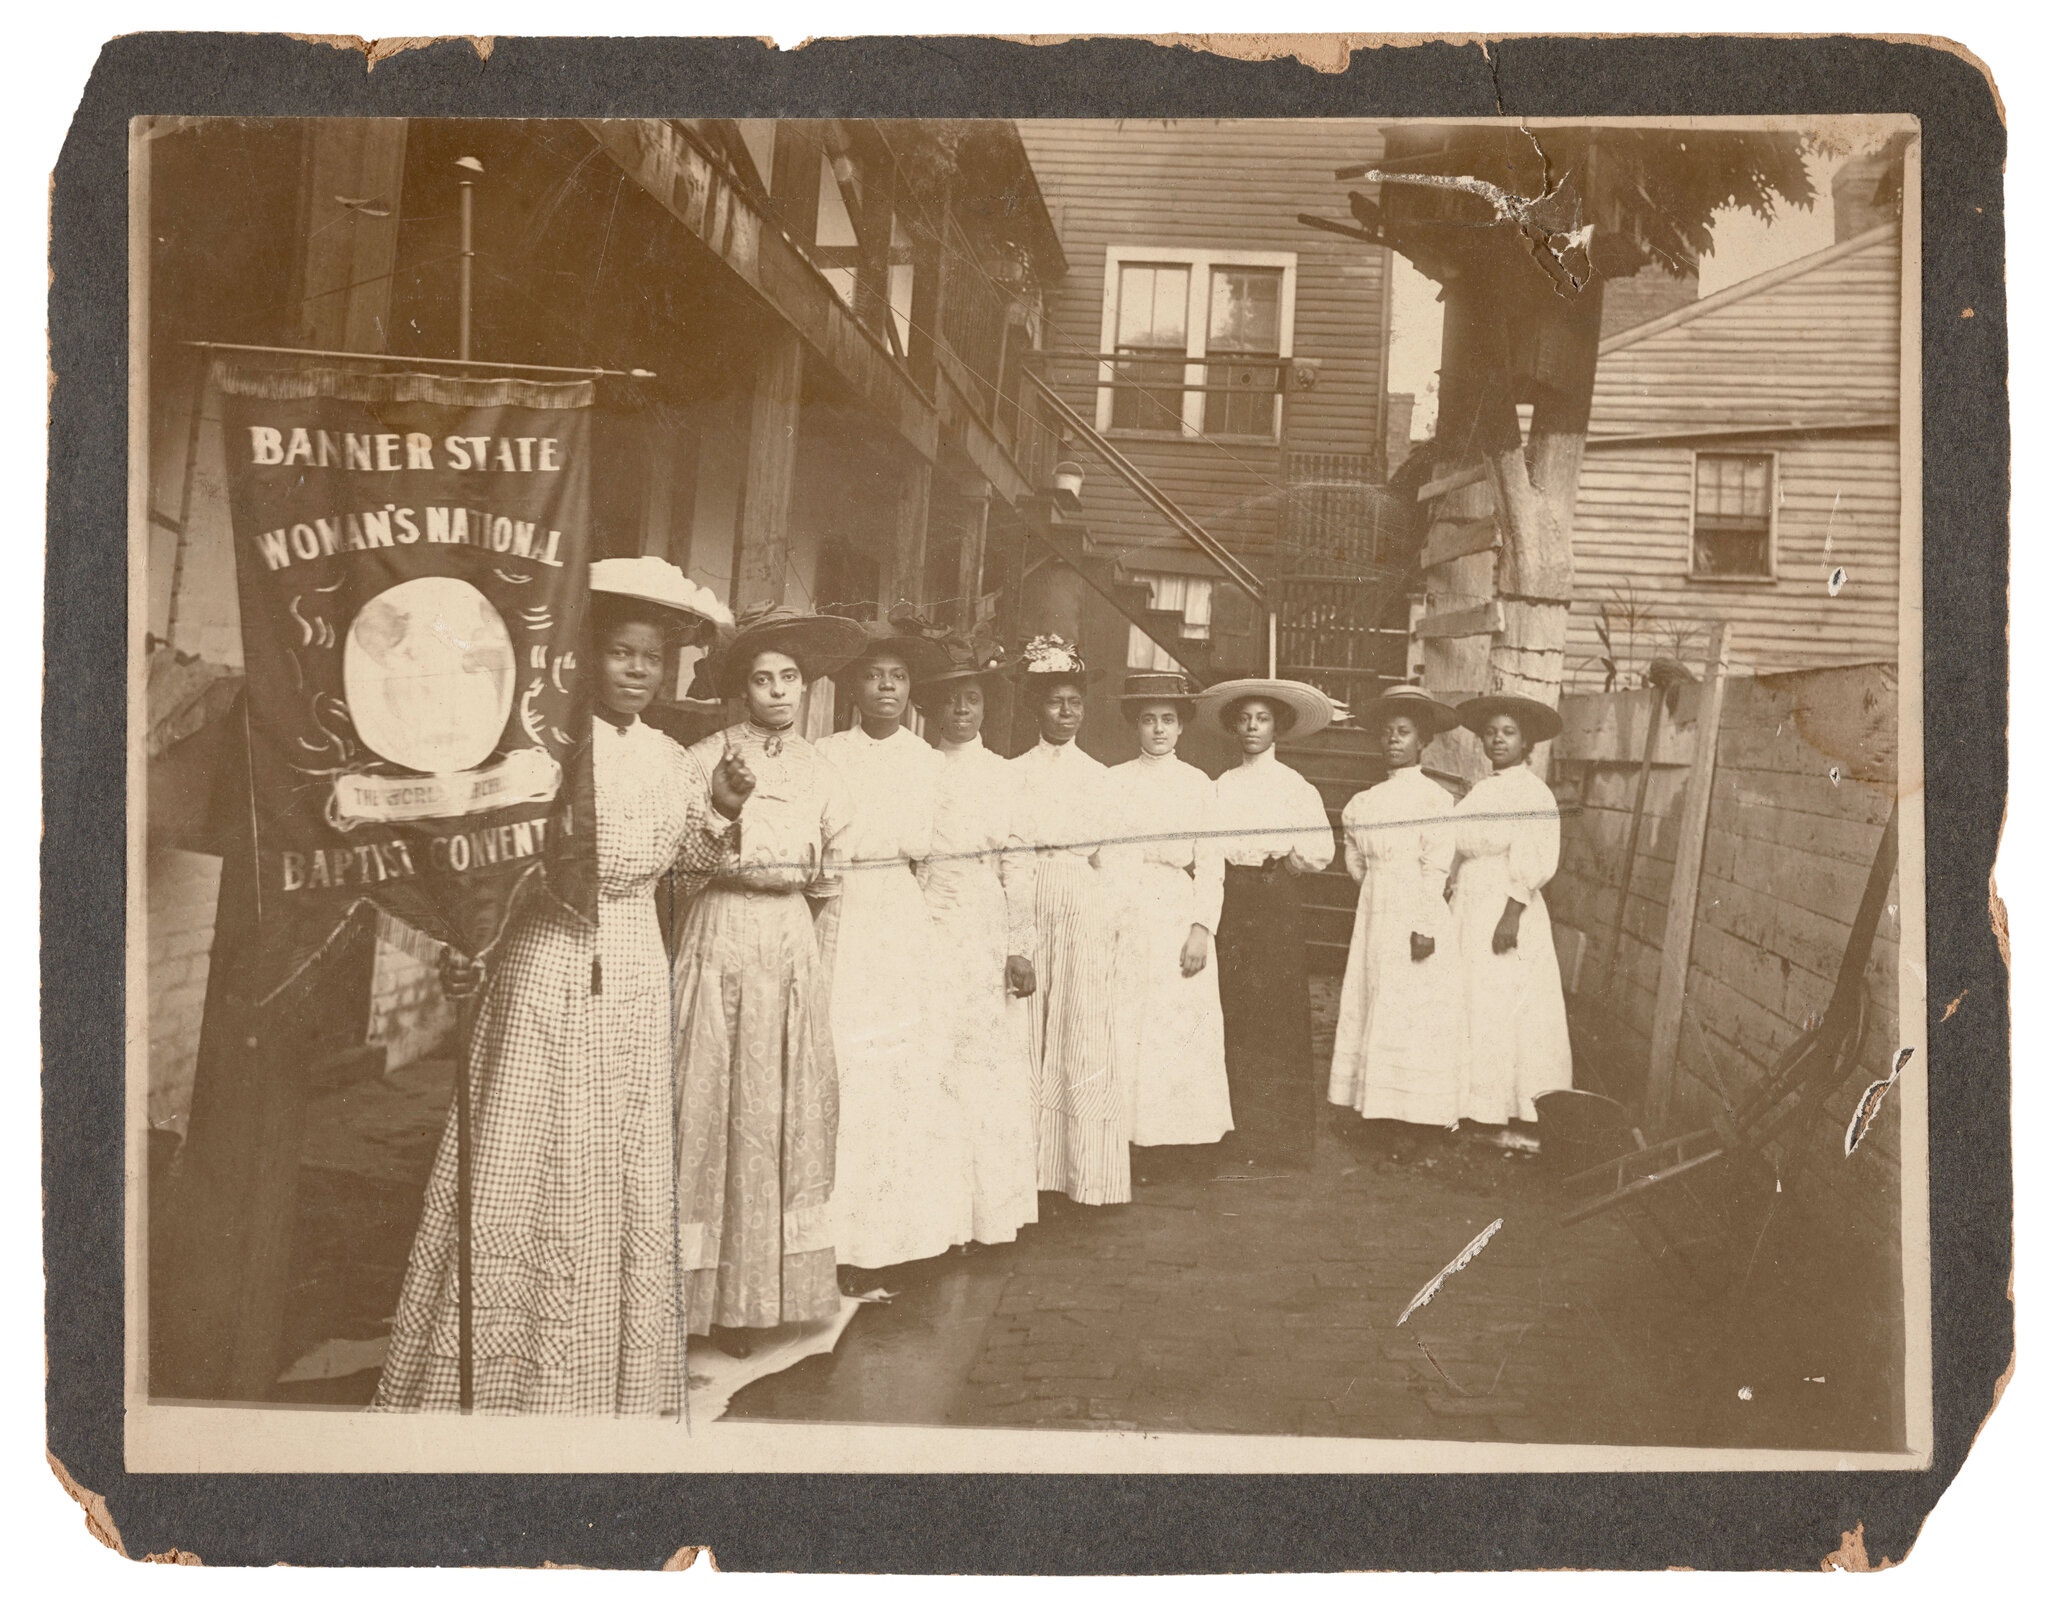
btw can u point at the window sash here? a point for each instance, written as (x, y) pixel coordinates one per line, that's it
(1224, 336)
(1733, 497)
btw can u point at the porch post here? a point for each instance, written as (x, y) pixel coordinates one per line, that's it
(907, 542)
(761, 568)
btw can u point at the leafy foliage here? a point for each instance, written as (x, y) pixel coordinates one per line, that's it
(1648, 194)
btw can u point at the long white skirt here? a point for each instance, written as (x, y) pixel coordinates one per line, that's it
(1514, 1001)
(900, 1181)
(1079, 1078)
(988, 1057)
(1401, 1036)
(1172, 1024)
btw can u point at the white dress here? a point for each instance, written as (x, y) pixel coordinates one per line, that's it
(978, 884)
(1166, 870)
(900, 1180)
(1507, 847)
(1401, 1043)
(1080, 1079)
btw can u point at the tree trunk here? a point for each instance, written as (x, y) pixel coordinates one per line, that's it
(1509, 333)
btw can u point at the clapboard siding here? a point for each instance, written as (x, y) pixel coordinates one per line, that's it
(1815, 345)
(1216, 186)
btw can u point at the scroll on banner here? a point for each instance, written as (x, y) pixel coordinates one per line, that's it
(413, 560)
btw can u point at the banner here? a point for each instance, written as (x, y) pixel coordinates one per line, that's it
(413, 564)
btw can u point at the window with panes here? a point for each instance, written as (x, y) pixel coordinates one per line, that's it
(1732, 499)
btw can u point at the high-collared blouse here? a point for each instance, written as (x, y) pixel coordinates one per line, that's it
(1403, 828)
(888, 787)
(791, 824)
(1165, 811)
(976, 828)
(1511, 816)
(1266, 810)
(1063, 799)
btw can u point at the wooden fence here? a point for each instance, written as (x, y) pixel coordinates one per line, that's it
(1801, 780)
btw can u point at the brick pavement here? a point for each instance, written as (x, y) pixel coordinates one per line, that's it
(1252, 1302)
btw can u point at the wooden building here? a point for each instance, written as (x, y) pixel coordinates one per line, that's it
(1743, 465)
(830, 316)
(1236, 359)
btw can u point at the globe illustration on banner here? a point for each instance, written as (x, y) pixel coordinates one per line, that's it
(429, 673)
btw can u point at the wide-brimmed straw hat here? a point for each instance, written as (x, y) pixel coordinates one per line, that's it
(1149, 686)
(1312, 710)
(1046, 658)
(820, 642)
(1432, 717)
(902, 635)
(655, 580)
(1539, 721)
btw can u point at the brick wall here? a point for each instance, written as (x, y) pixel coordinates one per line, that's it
(182, 887)
(1803, 780)
(408, 1014)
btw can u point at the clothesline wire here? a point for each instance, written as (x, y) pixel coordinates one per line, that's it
(1435, 820)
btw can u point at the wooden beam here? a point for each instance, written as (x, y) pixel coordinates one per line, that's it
(1451, 538)
(349, 243)
(1457, 479)
(906, 547)
(1482, 620)
(1635, 838)
(1683, 903)
(973, 542)
(762, 562)
(664, 160)
(1845, 423)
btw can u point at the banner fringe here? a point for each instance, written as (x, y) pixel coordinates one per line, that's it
(269, 383)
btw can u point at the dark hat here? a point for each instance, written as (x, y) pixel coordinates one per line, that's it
(968, 657)
(1155, 685)
(1539, 721)
(905, 636)
(1047, 658)
(819, 642)
(1432, 716)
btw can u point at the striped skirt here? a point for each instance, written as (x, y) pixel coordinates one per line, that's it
(757, 1114)
(1080, 1087)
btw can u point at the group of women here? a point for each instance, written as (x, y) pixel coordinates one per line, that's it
(1452, 1008)
(915, 986)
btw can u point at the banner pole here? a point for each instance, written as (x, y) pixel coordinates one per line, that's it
(386, 359)
(468, 165)
(465, 1297)
(465, 1310)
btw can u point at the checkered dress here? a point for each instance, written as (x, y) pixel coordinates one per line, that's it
(572, 1172)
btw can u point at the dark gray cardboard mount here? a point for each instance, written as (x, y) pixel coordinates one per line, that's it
(1049, 1524)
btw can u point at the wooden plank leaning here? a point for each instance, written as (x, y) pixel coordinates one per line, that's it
(1685, 885)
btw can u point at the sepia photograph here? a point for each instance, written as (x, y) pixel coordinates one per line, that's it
(1116, 794)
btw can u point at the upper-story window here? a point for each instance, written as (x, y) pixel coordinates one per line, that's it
(1734, 495)
(1196, 340)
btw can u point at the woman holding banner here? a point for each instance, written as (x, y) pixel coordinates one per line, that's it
(571, 1106)
(758, 1103)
